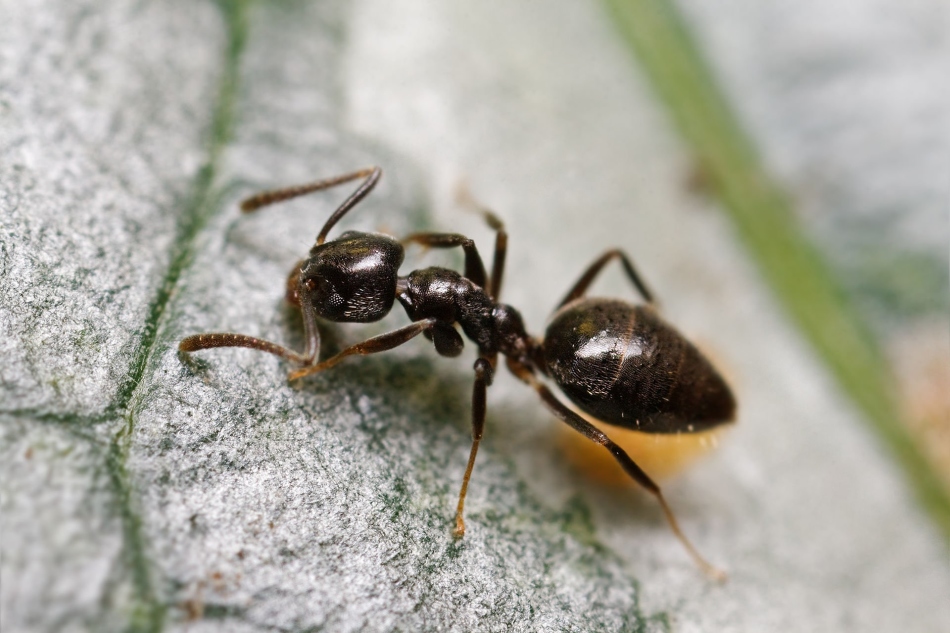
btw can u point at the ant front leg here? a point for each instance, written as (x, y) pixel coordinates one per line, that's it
(484, 373)
(381, 343)
(594, 269)
(591, 432)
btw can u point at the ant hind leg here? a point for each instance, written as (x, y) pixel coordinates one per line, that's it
(591, 432)
(580, 287)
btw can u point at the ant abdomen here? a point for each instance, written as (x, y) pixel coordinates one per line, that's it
(625, 366)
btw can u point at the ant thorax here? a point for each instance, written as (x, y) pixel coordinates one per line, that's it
(445, 295)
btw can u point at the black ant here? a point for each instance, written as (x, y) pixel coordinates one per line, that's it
(620, 363)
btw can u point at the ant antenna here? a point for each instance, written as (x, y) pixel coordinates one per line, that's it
(266, 198)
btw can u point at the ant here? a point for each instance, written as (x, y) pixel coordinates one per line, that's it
(618, 362)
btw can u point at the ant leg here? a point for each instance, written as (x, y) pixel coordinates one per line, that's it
(474, 268)
(265, 198)
(197, 342)
(594, 269)
(501, 239)
(483, 379)
(636, 473)
(381, 343)
(501, 251)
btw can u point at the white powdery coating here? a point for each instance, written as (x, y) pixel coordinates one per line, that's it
(103, 128)
(61, 553)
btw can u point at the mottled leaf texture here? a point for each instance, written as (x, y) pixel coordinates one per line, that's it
(145, 490)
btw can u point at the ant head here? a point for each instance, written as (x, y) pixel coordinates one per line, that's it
(352, 278)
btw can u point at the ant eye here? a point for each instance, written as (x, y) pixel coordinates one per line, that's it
(319, 286)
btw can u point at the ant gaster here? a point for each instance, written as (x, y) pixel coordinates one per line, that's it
(618, 362)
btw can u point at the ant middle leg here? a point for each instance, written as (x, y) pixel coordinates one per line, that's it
(484, 373)
(474, 268)
(591, 432)
(580, 287)
(501, 240)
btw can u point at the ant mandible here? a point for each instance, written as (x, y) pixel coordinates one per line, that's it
(618, 362)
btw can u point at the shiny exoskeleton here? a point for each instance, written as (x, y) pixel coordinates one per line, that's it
(620, 363)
